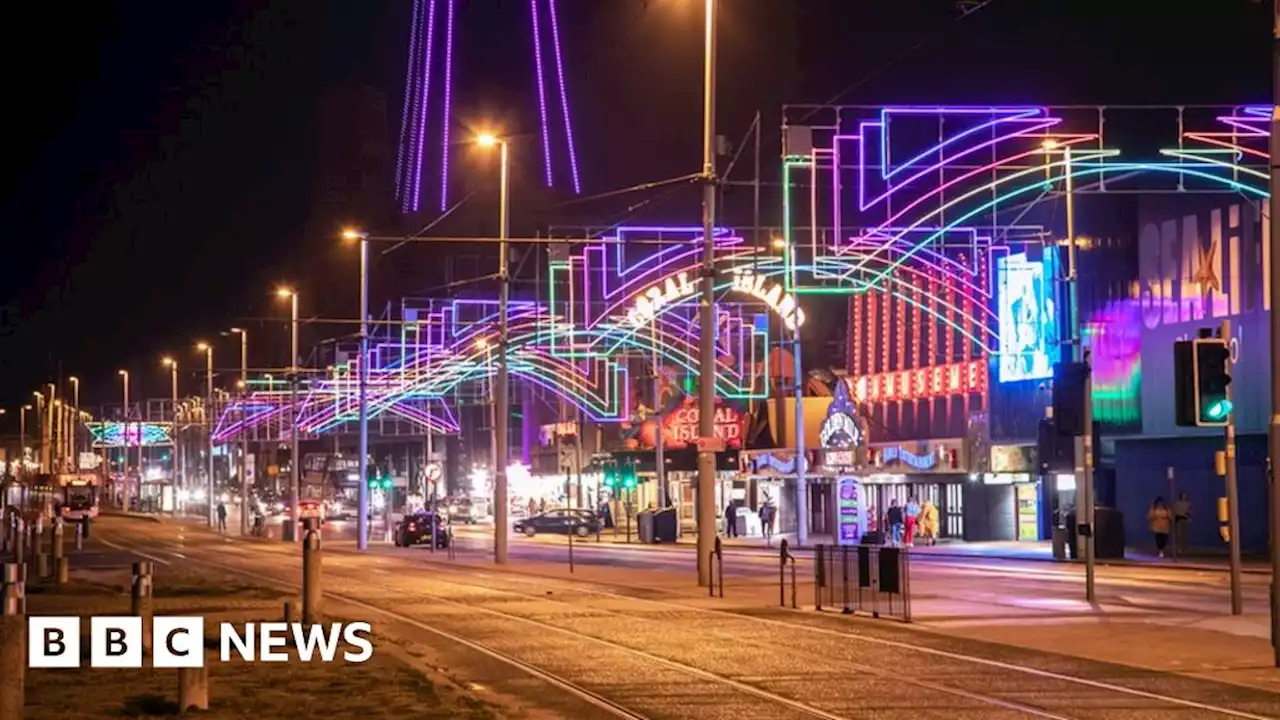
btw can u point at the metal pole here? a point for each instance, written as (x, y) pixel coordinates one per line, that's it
(244, 442)
(362, 523)
(1084, 444)
(75, 423)
(659, 452)
(125, 496)
(294, 460)
(208, 419)
(1273, 444)
(802, 485)
(173, 386)
(501, 500)
(1233, 491)
(707, 311)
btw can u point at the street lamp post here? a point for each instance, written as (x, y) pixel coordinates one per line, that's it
(22, 434)
(75, 422)
(707, 314)
(207, 349)
(290, 534)
(124, 470)
(501, 499)
(243, 462)
(173, 383)
(362, 523)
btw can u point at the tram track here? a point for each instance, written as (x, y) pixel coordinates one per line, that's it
(805, 649)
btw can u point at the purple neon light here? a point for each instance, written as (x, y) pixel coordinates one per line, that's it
(448, 100)
(408, 95)
(416, 198)
(542, 91)
(564, 95)
(1005, 116)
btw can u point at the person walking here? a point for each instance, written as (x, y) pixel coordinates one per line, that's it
(1181, 523)
(730, 520)
(910, 514)
(1160, 518)
(766, 521)
(929, 523)
(222, 516)
(894, 519)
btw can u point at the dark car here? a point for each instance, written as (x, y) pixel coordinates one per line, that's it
(415, 529)
(560, 522)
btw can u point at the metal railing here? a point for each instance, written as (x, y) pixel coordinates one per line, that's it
(866, 579)
(717, 570)
(785, 558)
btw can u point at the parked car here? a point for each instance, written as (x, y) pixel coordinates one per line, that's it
(461, 511)
(415, 529)
(560, 522)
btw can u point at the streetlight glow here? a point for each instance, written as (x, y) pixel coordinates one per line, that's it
(285, 292)
(168, 362)
(202, 346)
(353, 234)
(487, 140)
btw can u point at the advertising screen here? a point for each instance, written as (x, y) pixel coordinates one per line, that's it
(1028, 325)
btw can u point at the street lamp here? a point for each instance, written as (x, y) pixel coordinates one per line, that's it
(707, 316)
(179, 469)
(75, 422)
(501, 499)
(292, 529)
(124, 470)
(207, 349)
(22, 435)
(243, 386)
(362, 523)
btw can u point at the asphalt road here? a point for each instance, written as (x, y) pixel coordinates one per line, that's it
(593, 649)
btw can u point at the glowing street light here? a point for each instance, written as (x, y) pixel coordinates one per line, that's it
(294, 461)
(362, 520)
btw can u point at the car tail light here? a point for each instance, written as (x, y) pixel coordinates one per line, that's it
(413, 526)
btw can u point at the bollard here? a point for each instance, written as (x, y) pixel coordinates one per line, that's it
(290, 612)
(19, 541)
(80, 526)
(13, 641)
(310, 573)
(59, 531)
(783, 554)
(42, 566)
(720, 565)
(63, 569)
(193, 688)
(140, 598)
(571, 552)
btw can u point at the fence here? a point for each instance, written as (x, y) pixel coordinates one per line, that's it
(866, 579)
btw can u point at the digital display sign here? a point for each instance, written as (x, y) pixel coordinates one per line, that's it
(1028, 318)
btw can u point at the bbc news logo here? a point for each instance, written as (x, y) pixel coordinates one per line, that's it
(179, 642)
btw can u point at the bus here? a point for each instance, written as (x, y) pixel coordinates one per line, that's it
(78, 493)
(330, 483)
(74, 496)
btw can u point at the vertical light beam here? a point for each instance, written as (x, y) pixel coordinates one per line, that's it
(410, 77)
(448, 99)
(419, 160)
(542, 91)
(564, 95)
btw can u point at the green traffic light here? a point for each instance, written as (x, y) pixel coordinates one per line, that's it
(1219, 410)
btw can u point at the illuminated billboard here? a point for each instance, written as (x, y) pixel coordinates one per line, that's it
(1028, 318)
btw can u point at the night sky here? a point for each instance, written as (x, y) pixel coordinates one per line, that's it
(159, 175)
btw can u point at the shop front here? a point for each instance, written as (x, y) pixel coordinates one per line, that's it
(928, 472)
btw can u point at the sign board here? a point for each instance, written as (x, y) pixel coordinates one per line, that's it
(851, 515)
(714, 444)
(434, 471)
(681, 427)
(682, 286)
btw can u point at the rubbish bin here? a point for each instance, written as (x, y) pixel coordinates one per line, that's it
(1109, 533)
(644, 526)
(666, 525)
(1059, 543)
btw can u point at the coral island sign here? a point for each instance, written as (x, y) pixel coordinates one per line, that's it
(681, 286)
(680, 428)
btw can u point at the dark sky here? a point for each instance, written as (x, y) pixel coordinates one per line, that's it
(159, 175)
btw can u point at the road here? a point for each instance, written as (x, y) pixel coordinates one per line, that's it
(630, 636)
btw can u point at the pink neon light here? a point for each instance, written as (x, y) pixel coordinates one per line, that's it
(542, 92)
(419, 161)
(1210, 139)
(448, 100)
(564, 95)
(408, 94)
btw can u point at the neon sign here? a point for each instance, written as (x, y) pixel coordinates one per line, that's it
(922, 383)
(680, 287)
(681, 426)
(928, 461)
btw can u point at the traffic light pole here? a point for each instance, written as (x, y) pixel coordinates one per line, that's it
(1233, 492)
(1083, 444)
(1273, 440)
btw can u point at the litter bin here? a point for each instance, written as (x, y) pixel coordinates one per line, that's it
(666, 525)
(644, 526)
(1059, 543)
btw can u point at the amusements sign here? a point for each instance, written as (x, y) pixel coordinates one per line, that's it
(849, 506)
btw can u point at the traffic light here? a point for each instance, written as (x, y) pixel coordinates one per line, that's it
(1069, 382)
(610, 473)
(629, 476)
(1201, 380)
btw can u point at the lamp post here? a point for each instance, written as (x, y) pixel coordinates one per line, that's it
(291, 533)
(124, 470)
(362, 523)
(75, 422)
(500, 491)
(243, 462)
(177, 449)
(207, 349)
(22, 434)
(707, 314)
(39, 396)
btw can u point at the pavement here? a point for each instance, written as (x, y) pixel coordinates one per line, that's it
(990, 638)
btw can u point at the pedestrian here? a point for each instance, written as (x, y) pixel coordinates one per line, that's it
(1181, 523)
(929, 523)
(766, 521)
(533, 507)
(894, 519)
(730, 520)
(222, 516)
(1161, 520)
(910, 514)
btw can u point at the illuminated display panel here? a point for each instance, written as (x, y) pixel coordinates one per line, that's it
(1027, 318)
